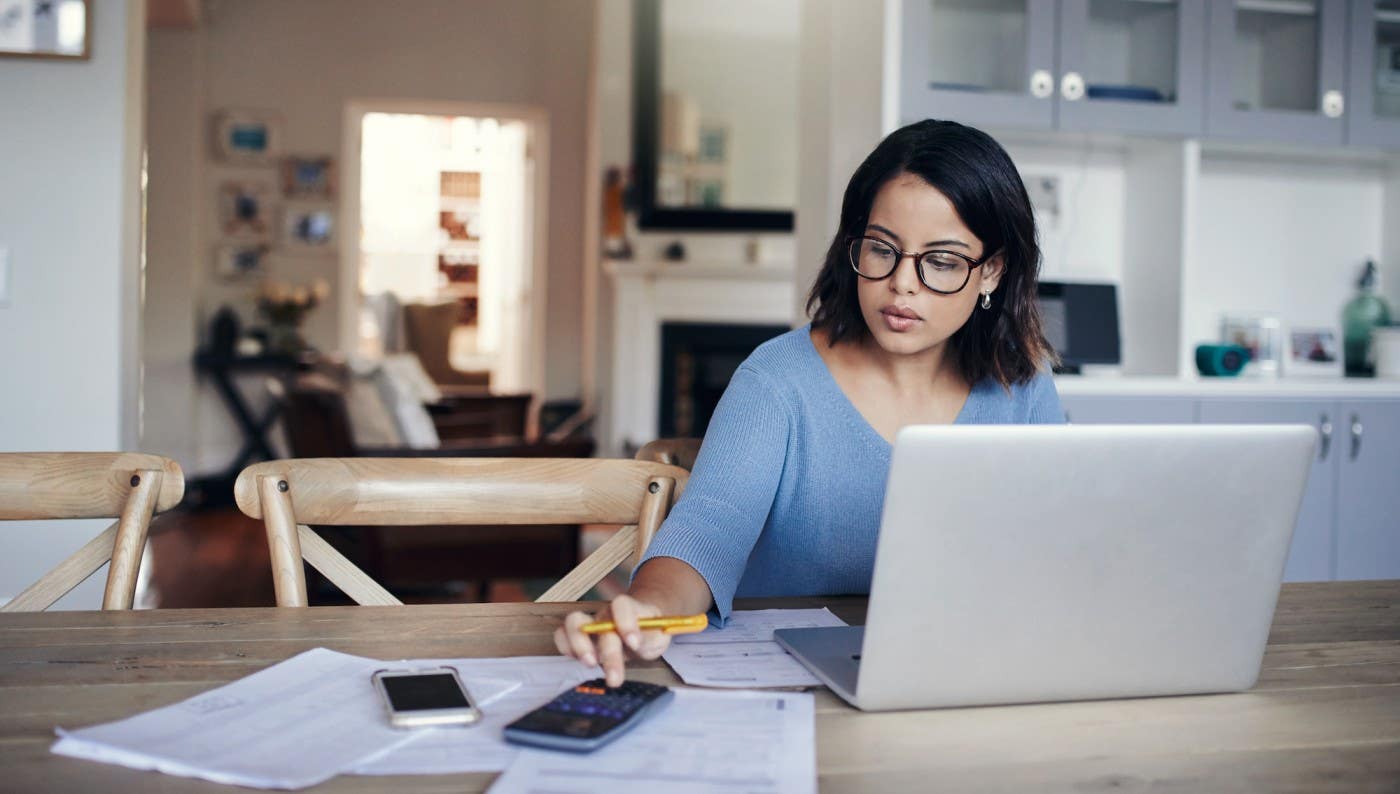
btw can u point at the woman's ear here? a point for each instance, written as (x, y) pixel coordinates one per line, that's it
(992, 271)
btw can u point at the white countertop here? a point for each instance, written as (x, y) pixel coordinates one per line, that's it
(1132, 386)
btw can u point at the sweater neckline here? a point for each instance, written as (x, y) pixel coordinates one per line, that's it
(843, 403)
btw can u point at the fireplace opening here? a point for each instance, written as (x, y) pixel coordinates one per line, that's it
(697, 361)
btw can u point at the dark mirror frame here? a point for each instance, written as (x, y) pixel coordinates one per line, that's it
(646, 132)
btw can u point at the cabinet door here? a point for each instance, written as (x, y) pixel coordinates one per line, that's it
(1312, 556)
(979, 61)
(1368, 490)
(1374, 73)
(1277, 70)
(1130, 66)
(1099, 410)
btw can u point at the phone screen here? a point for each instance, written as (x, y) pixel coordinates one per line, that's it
(421, 692)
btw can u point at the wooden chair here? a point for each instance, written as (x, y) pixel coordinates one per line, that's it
(129, 486)
(671, 451)
(289, 494)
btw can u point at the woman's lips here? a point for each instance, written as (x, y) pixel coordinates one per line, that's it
(899, 320)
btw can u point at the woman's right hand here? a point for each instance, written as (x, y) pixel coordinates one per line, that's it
(610, 649)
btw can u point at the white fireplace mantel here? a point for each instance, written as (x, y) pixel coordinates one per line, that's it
(647, 294)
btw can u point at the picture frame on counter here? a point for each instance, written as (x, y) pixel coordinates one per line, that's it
(1313, 352)
(1262, 336)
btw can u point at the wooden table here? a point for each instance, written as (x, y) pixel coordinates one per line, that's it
(1325, 715)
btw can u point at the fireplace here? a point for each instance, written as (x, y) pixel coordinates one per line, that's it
(697, 361)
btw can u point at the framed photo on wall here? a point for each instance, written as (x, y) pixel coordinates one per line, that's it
(46, 29)
(245, 137)
(309, 225)
(246, 209)
(238, 262)
(308, 177)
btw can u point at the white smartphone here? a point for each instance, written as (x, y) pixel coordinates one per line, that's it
(419, 698)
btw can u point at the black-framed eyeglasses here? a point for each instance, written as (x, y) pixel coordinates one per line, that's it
(944, 272)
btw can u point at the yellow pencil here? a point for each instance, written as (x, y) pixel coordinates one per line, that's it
(675, 624)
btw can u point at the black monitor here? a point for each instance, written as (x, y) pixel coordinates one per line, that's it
(1081, 322)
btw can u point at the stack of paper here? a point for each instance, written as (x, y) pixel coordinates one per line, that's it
(703, 741)
(743, 654)
(306, 720)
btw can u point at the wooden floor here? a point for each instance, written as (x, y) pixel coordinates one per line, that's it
(218, 558)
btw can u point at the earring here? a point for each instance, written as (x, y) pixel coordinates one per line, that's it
(986, 300)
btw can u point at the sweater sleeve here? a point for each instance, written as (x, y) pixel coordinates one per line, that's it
(1045, 408)
(717, 521)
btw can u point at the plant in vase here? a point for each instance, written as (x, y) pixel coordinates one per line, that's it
(284, 307)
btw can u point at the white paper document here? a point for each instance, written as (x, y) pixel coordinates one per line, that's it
(703, 741)
(743, 654)
(482, 748)
(292, 725)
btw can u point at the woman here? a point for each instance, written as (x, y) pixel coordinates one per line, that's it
(923, 313)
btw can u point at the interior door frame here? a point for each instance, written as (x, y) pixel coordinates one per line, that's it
(536, 120)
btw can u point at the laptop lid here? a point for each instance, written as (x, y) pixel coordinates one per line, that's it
(1040, 563)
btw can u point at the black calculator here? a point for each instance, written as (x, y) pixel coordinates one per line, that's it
(588, 716)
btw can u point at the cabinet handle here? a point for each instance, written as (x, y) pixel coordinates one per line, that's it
(1042, 84)
(1072, 86)
(1333, 104)
(1356, 429)
(1325, 427)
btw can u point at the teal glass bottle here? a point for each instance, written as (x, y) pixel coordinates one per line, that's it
(1362, 313)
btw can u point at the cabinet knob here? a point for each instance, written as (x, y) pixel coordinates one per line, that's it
(1072, 86)
(1356, 429)
(1042, 84)
(1324, 426)
(1333, 104)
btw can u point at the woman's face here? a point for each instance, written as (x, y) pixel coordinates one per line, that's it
(904, 316)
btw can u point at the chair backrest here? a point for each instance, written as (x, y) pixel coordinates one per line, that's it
(315, 418)
(289, 494)
(428, 333)
(128, 486)
(673, 451)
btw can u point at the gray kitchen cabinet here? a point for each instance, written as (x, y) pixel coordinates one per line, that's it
(1373, 93)
(1128, 410)
(1313, 554)
(1132, 66)
(1091, 65)
(1277, 70)
(981, 61)
(1368, 490)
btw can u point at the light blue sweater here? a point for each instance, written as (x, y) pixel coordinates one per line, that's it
(786, 493)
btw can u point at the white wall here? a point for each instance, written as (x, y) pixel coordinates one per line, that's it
(1280, 236)
(69, 186)
(306, 61)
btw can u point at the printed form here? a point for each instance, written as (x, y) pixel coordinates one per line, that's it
(743, 654)
(292, 725)
(703, 742)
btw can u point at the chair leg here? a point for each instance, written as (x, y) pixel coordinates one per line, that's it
(483, 591)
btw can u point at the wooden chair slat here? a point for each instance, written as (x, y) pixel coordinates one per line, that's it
(437, 491)
(65, 576)
(60, 485)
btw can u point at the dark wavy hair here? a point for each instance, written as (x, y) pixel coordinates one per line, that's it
(1005, 342)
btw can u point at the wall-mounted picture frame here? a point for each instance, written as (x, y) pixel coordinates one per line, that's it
(1313, 353)
(246, 137)
(46, 29)
(308, 177)
(246, 209)
(1261, 335)
(309, 225)
(240, 261)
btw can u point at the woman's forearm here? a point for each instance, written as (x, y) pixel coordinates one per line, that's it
(672, 586)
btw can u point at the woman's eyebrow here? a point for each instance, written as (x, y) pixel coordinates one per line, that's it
(934, 244)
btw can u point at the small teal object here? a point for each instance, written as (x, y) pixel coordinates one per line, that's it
(1221, 360)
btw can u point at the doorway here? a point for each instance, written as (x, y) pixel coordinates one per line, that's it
(446, 206)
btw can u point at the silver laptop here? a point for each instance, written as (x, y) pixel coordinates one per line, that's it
(1023, 564)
